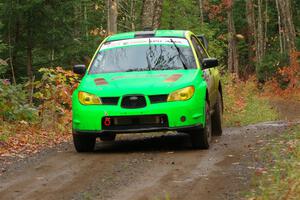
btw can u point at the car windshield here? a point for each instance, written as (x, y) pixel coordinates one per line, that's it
(143, 54)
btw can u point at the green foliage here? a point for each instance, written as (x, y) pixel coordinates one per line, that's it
(270, 63)
(3, 67)
(245, 66)
(3, 64)
(59, 33)
(13, 104)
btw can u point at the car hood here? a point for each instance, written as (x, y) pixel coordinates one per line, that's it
(145, 82)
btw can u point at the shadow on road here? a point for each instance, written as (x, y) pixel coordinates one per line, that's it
(174, 142)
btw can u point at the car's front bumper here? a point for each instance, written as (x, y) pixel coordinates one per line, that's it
(141, 130)
(89, 118)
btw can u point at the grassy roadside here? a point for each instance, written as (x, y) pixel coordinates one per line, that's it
(243, 103)
(279, 174)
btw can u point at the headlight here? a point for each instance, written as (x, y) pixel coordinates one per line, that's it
(88, 99)
(182, 94)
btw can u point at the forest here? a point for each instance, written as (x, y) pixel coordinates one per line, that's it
(249, 37)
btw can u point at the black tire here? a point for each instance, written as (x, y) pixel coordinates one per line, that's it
(201, 138)
(84, 143)
(107, 137)
(217, 117)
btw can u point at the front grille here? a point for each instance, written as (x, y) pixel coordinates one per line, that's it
(133, 101)
(110, 100)
(158, 98)
(134, 122)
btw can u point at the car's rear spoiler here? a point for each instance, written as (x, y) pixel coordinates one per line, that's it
(204, 41)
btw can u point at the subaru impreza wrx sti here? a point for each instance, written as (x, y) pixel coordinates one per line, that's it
(148, 81)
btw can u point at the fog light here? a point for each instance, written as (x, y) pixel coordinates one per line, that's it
(182, 119)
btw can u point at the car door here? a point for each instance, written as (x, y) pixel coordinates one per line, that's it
(207, 73)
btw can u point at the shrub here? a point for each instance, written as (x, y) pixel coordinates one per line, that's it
(269, 65)
(53, 95)
(13, 106)
(286, 82)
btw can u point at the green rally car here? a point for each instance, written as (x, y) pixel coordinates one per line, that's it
(148, 81)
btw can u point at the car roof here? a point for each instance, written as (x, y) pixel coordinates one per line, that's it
(141, 34)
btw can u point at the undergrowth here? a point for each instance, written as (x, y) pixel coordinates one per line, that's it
(279, 176)
(243, 103)
(45, 121)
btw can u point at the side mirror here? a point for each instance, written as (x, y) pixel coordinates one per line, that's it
(204, 41)
(209, 63)
(79, 69)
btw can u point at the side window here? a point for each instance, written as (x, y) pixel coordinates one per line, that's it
(199, 49)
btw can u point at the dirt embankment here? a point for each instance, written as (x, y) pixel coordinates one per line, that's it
(287, 109)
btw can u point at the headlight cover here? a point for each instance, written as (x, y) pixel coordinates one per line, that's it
(182, 94)
(88, 99)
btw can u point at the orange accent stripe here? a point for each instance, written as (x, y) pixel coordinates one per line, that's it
(100, 81)
(173, 78)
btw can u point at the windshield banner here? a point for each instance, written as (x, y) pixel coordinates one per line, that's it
(145, 41)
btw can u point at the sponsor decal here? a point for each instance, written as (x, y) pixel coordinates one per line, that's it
(133, 98)
(144, 41)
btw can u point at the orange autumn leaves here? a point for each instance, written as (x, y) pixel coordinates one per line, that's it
(25, 139)
(286, 83)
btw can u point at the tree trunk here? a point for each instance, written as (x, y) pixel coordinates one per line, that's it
(151, 14)
(157, 14)
(279, 27)
(29, 61)
(29, 46)
(132, 15)
(233, 63)
(147, 14)
(112, 16)
(171, 22)
(266, 28)
(85, 18)
(289, 34)
(260, 35)
(10, 46)
(252, 42)
(201, 12)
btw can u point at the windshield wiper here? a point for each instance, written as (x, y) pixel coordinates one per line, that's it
(136, 70)
(180, 54)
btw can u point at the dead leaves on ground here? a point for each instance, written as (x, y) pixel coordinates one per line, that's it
(24, 139)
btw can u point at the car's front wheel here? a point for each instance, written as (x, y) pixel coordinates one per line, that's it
(84, 143)
(217, 117)
(201, 138)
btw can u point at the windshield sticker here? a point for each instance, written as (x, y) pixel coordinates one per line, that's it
(144, 41)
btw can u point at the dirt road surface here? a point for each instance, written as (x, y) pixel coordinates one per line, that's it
(141, 168)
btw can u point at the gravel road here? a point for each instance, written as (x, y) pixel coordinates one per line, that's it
(142, 167)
